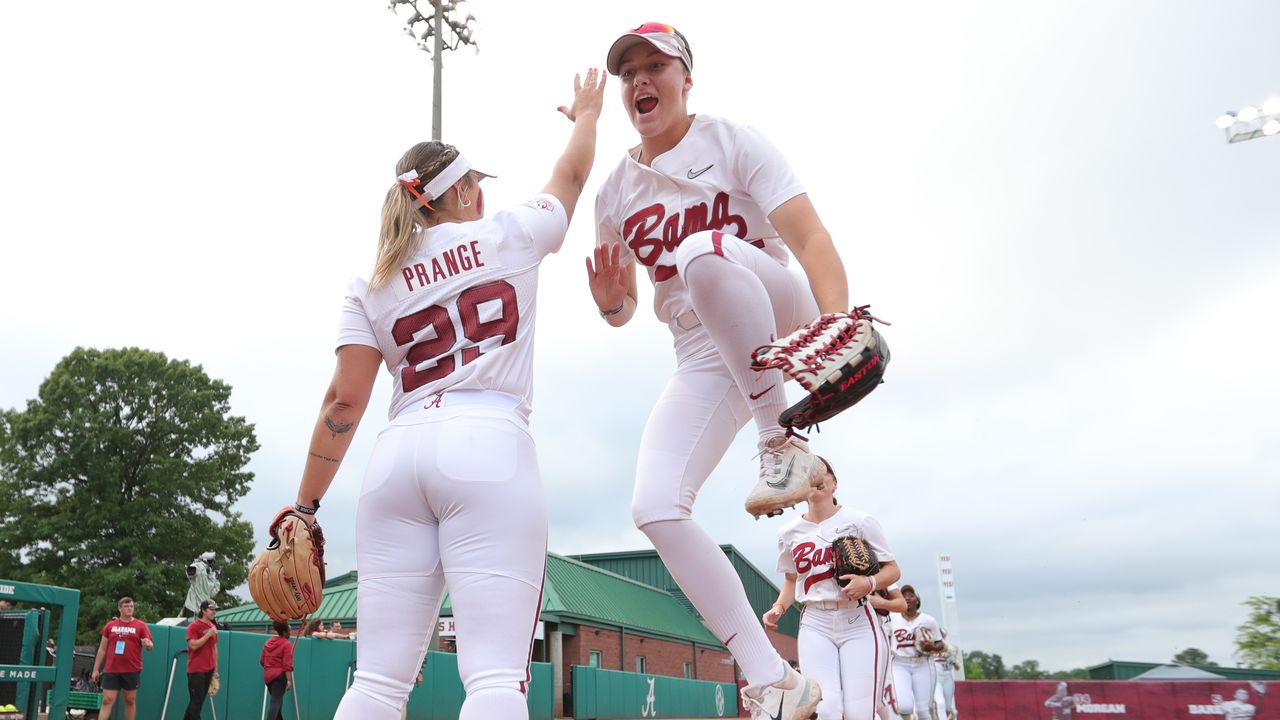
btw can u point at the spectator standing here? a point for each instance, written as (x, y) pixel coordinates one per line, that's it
(123, 639)
(202, 657)
(277, 668)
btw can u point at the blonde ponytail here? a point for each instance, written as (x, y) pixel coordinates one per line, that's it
(403, 216)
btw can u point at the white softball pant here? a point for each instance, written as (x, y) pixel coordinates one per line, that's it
(452, 496)
(946, 686)
(845, 650)
(913, 680)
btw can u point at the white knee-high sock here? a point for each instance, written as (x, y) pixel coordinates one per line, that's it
(495, 704)
(706, 576)
(734, 307)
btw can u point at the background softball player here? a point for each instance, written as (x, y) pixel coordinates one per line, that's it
(709, 208)
(452, 494)
(914, 636)
(841, 643)
(945, 665)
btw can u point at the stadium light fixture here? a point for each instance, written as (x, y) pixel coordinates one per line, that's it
(440, 16)
(1251, 121)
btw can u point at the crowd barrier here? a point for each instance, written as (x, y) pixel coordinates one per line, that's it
(1116, 699)
(606, 694)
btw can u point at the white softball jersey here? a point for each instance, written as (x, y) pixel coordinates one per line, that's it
(459, 314)
(720, 176)
(904, 633)
(804, 549)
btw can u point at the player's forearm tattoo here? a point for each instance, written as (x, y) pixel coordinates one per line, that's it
(337, 427)
(326, 458)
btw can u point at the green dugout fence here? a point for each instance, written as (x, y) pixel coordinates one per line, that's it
(606, 694)
(322, 669)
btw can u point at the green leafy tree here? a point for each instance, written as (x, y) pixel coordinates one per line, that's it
(1258, 639)
(1193, 656)
(1027, 670)
(1072, 674)
(123, 469)
(979, 665)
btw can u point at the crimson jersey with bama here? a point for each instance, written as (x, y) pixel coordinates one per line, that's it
(459, 315)
(720, 176)
(804, 550)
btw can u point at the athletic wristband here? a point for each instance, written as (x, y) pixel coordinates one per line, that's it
(615, 311)
(307, 510)
(872, 578)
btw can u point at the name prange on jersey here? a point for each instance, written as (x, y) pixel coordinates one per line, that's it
(442, 266)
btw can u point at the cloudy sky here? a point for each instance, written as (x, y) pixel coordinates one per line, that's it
(1081, 274)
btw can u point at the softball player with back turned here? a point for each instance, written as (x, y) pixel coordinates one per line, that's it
(710, 209)
(842, 645)
(452, 495)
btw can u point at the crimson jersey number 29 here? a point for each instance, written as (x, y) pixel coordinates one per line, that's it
(437, 352)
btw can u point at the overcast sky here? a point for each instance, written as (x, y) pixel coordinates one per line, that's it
(1082, 276)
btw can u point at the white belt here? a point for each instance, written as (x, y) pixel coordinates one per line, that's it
(912, 660)
(686, 321)
(832, 604)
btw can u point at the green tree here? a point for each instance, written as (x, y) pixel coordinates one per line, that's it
(1193, 656)
(1072, 674)
(979, 665)
(1258, 639)
(123, 469)
(1027, 670)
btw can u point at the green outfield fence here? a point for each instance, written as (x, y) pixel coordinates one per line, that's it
(600, 694)
(322, 672)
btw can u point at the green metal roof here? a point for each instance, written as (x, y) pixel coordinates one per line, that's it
(1125, 670)
(574, 592)
(646, 567)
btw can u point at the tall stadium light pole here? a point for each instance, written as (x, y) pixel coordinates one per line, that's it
(434, 24)
(1251, 121)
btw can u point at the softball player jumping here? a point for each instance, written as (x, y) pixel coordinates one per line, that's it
(710, 208)
(915, 636)
(452, 495)
(842, 645)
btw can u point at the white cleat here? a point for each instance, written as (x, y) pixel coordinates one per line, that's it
(788, 471)
(775, 703)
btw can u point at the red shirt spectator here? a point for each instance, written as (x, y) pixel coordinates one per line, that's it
(124, 644)
(277, 658)
(205, 657)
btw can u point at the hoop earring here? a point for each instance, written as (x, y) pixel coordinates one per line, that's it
(463, 204)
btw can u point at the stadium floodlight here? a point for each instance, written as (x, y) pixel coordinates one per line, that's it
(1251, 122)
(438, 18)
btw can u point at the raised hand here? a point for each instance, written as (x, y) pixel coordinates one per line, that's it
(588, 97)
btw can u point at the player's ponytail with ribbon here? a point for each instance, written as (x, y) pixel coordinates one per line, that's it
(405, 209)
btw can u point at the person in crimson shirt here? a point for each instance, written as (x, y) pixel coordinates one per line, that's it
(202, 657)
(277, 668)
(123, 639)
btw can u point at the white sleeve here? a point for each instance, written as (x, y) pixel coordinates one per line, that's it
(607, 229)
(762, 171)
(354, 327)
(786, 561)
(545, 220)
(873, 533)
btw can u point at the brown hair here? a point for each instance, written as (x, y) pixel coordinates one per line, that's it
(403, 214)
(281, 627)
(123, 600)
